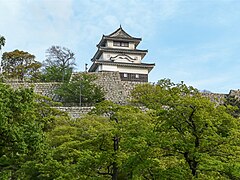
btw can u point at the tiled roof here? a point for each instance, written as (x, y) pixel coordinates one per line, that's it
(120, 35)
(140, 65)
(122, 50)
(115, 50)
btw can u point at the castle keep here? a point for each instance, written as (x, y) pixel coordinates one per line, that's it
(117, 52)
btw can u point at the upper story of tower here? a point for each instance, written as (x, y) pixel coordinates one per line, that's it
(119, 46)
(118, 52)
(119, 39)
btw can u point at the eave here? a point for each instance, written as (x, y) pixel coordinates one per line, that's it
(115, 50)
(105, 38)
(139, 65)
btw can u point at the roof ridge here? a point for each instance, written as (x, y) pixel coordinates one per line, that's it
(120, 33)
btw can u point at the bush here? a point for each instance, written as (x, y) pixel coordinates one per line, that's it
(80, 89)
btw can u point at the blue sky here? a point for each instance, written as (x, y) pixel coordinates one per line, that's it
(195, 41)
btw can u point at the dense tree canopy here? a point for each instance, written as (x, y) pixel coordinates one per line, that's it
(81, 89)
(23, 119)
(20, 65)
(59, 64)
(97, 147)
(175, 134)
(203, 135)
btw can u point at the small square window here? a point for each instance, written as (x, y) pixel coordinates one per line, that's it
(125, 75)
(120, 43)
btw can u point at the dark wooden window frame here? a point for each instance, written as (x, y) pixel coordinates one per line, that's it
(133, 77)
(121, 43)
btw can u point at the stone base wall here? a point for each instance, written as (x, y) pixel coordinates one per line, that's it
(115, 90)
(235, 93)
(75, 112)
(45, 89)
(215, 97)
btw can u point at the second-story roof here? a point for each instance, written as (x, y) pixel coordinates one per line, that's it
(95, 65)
(115, 50)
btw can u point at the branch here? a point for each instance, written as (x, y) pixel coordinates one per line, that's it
(105, 173)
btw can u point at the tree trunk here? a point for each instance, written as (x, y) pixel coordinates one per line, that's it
(115, 168)
(115, 171)
(193, 164)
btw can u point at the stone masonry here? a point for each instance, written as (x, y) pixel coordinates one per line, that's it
(75, 112)
(45, 89)
(115, 90)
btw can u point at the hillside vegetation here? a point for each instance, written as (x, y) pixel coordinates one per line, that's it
(182, 135)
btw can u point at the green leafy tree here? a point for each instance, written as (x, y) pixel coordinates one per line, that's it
(20, 65)
(233, 101)
(97, 147)
(24, 119)
(194, 130)
(2, 42)
(59, 64)
(114, 142)
(80, 89)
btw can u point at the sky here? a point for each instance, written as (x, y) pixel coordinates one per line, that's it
(195, 41)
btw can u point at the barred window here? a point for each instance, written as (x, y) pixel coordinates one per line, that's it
(120, 43)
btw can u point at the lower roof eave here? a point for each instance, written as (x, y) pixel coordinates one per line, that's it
(92, 68)
(142, 65)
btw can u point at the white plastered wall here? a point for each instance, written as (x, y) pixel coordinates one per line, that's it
(108, 68)
(110, 45)
(134, 70)
(106, 56)
(122, 69)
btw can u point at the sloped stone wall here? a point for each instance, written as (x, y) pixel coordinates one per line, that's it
(75, 112)
(112, 86)
(220, 98)
(45, 89)
(235, 93)
(115, 90)
(128, 86)
(215, 97)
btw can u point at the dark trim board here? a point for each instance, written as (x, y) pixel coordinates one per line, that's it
(96, 63)
(134, 77)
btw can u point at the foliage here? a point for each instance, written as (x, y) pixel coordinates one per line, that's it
(24, 118)
(80, 89)
(138, 155)
(233, 101)
(177, 135)
(55, 74)
(2, 41)
(86, 148)
(20, 65)
(195, 130)
(59, 64)
(122, 144)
